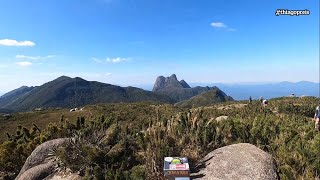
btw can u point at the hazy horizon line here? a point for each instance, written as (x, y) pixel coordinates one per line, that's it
(147, 86)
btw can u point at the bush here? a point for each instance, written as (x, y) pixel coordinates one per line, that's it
(118, 147)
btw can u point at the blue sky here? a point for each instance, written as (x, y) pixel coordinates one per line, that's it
(131, 42)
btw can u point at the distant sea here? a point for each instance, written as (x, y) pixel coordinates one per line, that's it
(268, 90)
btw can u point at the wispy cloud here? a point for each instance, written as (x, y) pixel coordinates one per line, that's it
(34, 57)
(110, 60)
(117, 60)
(12, 42)
(218, 25)
(24, 63)
(97, 60)
(221, 25)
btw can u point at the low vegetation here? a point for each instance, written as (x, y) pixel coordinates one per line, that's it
(129, 141)
(206, 98)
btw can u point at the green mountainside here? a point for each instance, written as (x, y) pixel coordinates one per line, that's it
(75, 92)
(14, 95)
(66, 92)
(206, 98)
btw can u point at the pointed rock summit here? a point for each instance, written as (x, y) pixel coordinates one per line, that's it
(163, 83)
(181, 91)
(173, 77)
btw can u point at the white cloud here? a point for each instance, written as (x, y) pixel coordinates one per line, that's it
(24, 63)
(221, 25)
(34, 57)
(12, 42)
(117, 60)
(110, 60)
(108, 74)
(218, 25)
(97, 60)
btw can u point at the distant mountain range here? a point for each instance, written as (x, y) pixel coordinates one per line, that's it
(74, 92)
(66, 92)
(267, 90)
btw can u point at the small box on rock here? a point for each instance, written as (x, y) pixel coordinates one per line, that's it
(176, 168)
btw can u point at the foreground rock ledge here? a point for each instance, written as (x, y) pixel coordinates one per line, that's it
(238, 161)
(37, 166)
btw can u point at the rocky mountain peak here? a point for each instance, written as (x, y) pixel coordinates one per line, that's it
(184, 84)
(163, 83)
(173, 77)
(159, 84)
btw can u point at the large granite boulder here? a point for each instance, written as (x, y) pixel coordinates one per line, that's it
(39, 165)
(238, 161)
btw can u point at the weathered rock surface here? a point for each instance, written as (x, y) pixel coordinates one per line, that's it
(238, 161)
(169, 83)
(221, 118)
(159, 84)
(40, 171)
(37, 165)
(184, 84)
(65, 175)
